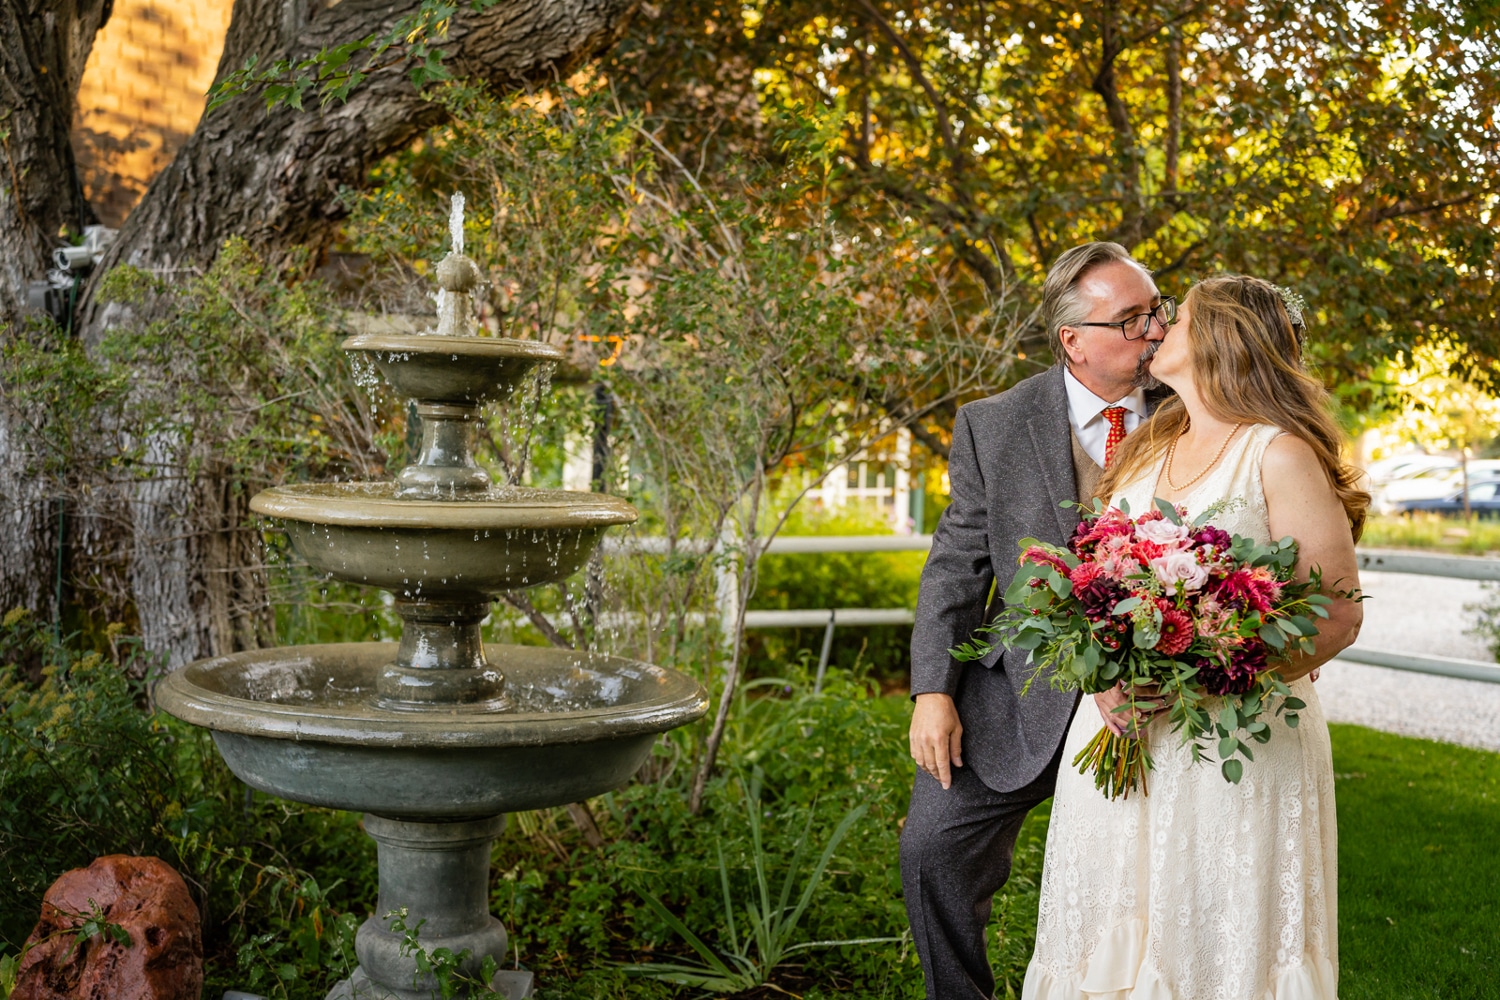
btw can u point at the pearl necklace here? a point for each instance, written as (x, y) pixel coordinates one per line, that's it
(1172, 451)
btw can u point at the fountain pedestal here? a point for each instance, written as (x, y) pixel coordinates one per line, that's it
(437, 875)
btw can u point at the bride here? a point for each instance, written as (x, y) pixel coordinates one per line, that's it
(1204, 890)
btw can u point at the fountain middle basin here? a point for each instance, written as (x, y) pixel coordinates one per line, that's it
(304, 723)
(505, 538)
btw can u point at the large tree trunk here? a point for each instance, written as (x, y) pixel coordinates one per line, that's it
(41, 63)
(274, 179)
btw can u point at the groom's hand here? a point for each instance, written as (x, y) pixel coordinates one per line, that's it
(936, 736)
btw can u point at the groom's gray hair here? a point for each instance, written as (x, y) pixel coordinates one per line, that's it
(1062, 305)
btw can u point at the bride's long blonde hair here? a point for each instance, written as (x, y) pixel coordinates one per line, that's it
(1247, 367)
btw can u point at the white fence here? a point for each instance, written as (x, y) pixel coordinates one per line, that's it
(1379, 560)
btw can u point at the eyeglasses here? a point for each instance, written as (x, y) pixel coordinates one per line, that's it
(1137, 326)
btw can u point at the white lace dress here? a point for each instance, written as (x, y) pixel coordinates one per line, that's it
(1201, 890)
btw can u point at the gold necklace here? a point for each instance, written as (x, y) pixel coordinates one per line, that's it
(1172, 451)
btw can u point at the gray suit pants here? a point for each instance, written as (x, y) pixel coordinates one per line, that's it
(955, 855)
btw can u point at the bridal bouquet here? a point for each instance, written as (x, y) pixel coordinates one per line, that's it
(1176, 611)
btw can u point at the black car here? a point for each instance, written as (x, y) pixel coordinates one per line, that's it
(1484, 501)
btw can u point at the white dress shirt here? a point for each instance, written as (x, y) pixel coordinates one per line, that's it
(1086, 414)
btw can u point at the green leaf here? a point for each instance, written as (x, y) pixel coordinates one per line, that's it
(1126, 606)
(1292, 718)
(1227, 747)
(1272, 636)
(1168, 510)
(1306, 625)
(1233, 771)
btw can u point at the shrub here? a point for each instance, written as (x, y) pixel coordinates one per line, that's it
(86, 770)
(838, 580)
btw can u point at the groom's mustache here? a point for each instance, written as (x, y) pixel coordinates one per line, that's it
(1143, 377)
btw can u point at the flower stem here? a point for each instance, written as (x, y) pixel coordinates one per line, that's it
(1119, 763)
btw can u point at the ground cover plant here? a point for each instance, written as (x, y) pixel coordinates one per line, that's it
(284, 886)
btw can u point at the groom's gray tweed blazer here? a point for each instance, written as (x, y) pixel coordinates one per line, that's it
(1009, 470)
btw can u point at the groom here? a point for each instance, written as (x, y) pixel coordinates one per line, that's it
(985, 754)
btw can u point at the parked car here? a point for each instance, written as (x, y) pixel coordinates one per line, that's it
(1420, 483)
(1484, 501)
(1389, 470)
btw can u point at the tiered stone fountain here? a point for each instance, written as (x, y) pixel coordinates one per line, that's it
(435, 739)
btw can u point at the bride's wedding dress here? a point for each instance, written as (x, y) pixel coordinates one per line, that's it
(1200, 890)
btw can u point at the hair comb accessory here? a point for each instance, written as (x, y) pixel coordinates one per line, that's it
(1294, 303)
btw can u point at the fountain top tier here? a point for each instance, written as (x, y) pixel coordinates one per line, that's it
(443, 537)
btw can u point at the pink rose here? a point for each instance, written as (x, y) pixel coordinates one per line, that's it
(1163, 533)
(1180, 567)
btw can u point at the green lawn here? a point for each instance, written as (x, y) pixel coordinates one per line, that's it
(1419, 873)
(1419, 868)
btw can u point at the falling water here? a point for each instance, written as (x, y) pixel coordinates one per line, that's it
(456, 222)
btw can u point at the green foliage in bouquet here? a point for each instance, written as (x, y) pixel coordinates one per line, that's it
(1104, 612)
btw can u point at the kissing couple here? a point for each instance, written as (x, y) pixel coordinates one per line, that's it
(1202, 888)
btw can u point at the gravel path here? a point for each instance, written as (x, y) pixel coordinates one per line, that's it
(1424, 616)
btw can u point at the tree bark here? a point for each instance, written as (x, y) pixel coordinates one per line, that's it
(41, 64)
(273, 178)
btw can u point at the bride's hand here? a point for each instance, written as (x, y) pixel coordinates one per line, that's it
(1120, 720)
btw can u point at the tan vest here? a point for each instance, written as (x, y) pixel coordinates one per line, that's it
(1085, 473)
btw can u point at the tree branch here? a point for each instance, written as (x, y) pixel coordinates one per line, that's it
(914, 66)
(1173, 143)
(1127, 149)
(1181, 260)
(1402, 210)
(523, 604)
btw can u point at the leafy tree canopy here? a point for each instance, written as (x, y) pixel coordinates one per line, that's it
(1349, 150)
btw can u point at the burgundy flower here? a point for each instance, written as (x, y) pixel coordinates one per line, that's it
(1249, 588)
(1095, 592)
(1237, 676)
(1210, 535)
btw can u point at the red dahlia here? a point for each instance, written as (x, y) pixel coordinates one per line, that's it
(1176, 632)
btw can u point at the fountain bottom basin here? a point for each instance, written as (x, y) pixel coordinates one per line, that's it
(306, 723)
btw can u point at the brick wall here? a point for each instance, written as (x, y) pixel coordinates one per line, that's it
(142, 95)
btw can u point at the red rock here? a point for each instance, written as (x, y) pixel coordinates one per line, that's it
(164, 960)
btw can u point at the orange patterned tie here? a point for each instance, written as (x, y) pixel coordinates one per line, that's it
(1116, 417)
